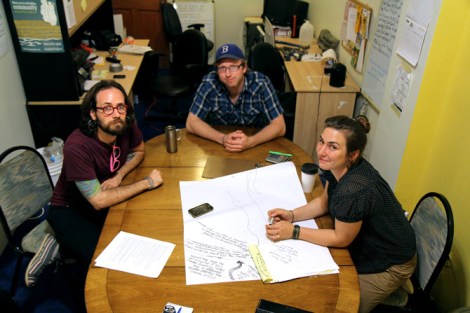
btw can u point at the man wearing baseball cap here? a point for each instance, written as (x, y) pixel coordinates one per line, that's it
(234, 95)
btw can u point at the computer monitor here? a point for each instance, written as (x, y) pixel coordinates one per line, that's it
(279, 12)
(269, 32)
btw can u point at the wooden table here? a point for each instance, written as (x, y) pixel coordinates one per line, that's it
(157, 214)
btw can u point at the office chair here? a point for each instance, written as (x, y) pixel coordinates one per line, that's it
(25, 188)
(173, 29)
(264, 58)
(187, 69)
(433, 223)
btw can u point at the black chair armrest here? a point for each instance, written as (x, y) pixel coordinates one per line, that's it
(197, 26)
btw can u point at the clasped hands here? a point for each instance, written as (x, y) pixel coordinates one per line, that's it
(237, 141)
(281, 227)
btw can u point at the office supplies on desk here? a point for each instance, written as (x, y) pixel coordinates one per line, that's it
(278, 157)
(115, 67)
(99, 74)
(309, 57)
(290, 53)
(113, 60)
(327, 55)
(286, 43)
(134, 49)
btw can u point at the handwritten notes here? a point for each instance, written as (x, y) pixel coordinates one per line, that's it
(376, 72)
(217, 244)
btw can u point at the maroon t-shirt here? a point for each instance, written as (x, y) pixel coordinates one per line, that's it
(87, 158)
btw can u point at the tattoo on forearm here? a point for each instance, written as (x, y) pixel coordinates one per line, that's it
(88, 188)
(130, 156)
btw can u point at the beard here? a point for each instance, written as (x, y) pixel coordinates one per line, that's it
(115, 127)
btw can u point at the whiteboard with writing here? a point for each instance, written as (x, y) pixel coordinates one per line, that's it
(202, 11)
(375, 75)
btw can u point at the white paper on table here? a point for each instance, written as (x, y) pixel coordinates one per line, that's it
(216, 243)
(135, 254)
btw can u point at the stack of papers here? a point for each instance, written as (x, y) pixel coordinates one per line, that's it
(133, 49)
(135, 254)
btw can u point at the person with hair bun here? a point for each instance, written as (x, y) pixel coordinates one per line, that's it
(368, 219)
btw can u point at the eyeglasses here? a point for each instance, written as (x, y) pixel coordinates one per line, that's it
(231, 68)
(109, 110)
(114, 162)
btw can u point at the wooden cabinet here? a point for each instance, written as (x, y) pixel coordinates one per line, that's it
(316, 101)
(48, 72)
(143, 19)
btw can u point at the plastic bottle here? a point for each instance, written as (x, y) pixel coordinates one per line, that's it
(306, 33)
(56, 150)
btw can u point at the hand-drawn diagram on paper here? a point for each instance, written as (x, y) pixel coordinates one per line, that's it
(216, 244)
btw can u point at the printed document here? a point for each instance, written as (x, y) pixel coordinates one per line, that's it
(135, 254)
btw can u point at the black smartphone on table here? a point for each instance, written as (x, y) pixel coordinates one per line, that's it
(200, 210)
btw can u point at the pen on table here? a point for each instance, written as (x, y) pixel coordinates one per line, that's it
(179, 310)
(280, 153)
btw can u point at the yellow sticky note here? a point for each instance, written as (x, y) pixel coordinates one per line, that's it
(260, 264)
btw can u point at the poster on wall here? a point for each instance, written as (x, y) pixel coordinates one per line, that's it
(355, 31)
(37, 25)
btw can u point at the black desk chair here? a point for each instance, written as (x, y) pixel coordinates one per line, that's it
(173, 29)
(264, 58)
(190, 58)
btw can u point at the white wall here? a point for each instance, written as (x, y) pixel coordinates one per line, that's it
(14, 123)
(389, 132)
(229, 16)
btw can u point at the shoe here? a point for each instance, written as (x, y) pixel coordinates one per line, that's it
(48, 252)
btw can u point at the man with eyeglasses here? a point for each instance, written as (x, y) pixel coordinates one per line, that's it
(97, 156)
(234, 95)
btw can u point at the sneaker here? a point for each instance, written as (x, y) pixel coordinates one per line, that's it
(48, 252)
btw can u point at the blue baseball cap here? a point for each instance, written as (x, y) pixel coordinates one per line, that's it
(229, 51)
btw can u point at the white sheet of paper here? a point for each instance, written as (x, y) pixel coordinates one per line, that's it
(216, 244)
(135, 254)
(69, 13)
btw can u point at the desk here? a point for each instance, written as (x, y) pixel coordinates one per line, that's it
(316, 99)
(157, 214)
(60, 118)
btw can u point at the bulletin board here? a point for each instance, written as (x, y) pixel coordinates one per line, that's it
(381, 50)
(355, 31)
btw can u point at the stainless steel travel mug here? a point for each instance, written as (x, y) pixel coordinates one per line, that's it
(171, 137)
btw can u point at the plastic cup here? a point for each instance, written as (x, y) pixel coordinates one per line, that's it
(308, 176)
